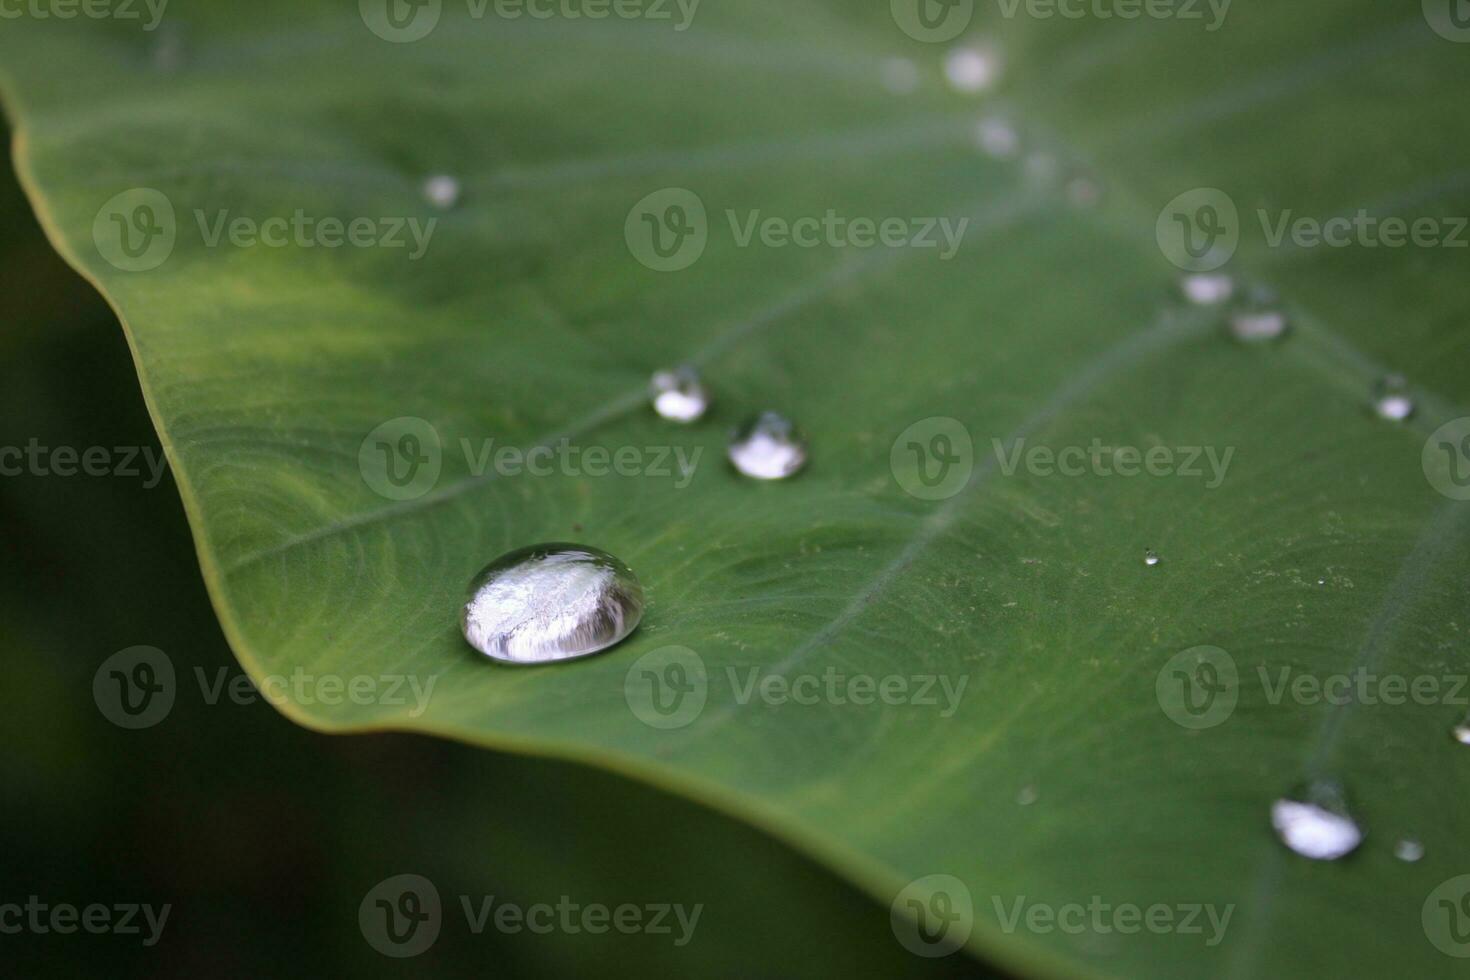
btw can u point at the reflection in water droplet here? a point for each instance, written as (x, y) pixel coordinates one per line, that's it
(679, 395)
(551, 602)
(1392, 400)
(972, 69)
(1408, 850)
(442, 191)
(1207, 288)
(1151, 558)
(768, 447)
(900, 75)
(998, 138)
(1461, 732)
(1259, 318)
(1315, 823)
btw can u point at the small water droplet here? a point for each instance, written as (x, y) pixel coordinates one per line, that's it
(998, 138)
(1151, 558)
(768, 447)
(679, 395)
(1321, 581)
(972, 69)
(1207, 288)
(1315, 823)
(1259, 318)
(1027, 796)
(1408, 850)
(900, 75)
(442, 191)
(551, 602)
(1392, 400)
(1461, 732)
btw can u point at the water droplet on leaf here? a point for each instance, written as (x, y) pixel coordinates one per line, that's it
(1151, 558)
(551, 602)
(1207, 288)
(998, 138)
(679, 395)
(1408, 850)
(442, 191)
(1315, 823)
(768, 447)
(1259, 318)
(1461, 732)
(972, 69)
(1392, 400)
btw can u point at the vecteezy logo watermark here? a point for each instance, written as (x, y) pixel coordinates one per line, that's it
(1446, 459)
(402, 916)
(1101, 917)
(1210, 12)
(667, 688)
(933, 916)
(1446, 917)
(120, 10)
(136, 688)
(120, 919)
(933, 458)
(1199, 687)
(404, 21)
(934, 21)
(669, 229)
(403, 458)
(1199, 230)
(35, 459)
(1450, 19)
(137, 231)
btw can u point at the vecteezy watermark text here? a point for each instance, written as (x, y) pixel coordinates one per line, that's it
(120, 10)
(402, 916)
(1101, 917)
(405, 21)
(1209, 12)
(119, 919)
(127, 462)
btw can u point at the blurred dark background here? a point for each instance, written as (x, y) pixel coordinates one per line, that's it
(264, 838)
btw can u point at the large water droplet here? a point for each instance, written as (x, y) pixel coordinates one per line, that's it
(1151, 558)
(442, 191)
(972, 69)
(768, 447)
(1207, 288)
(679, 395)
(551, 602)
(997, 137)
(1408, 850)
(1258, 318)
(1315, 823)
(1391, 399)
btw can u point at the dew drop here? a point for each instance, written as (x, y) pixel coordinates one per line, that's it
(1207, 288)
(442, 191)
(551, 602)
(1027, 796)
(900, 75)
(768, 447)
(1392, 400)
(1315, 823)
(1408, 850)
(1151, 558)
(679, 395)
(998, 138)
(972, 69)
(1259, 319)
(1461, 732)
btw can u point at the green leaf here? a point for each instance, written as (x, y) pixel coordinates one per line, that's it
(1323, 550)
